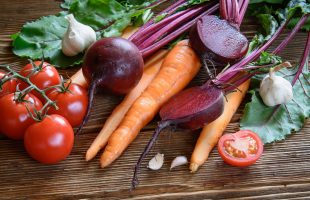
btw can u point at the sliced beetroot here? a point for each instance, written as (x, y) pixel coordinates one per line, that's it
(190, 109)
(194, 107)
(216, 39)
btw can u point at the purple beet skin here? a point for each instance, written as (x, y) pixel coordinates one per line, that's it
(194, 107)
(216, 39)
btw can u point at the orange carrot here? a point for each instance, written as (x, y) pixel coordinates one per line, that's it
(179, 67)
(211, 133)
(152, 67)
(78, 77)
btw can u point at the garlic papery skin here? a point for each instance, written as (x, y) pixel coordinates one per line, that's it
(275, 90)
(77, 38)
(156, 162)
(178, 161)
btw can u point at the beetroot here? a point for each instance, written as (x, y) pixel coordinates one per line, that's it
(190, 109)
(114, 64)
(217, 40)
(194, 107)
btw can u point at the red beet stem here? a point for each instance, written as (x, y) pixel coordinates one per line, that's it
(161, 125)
(168, 10)
(230, 10)
(148, 31)
(291, 35)
(244, 5)
(159, 44)
(303, 60)
(166, 29)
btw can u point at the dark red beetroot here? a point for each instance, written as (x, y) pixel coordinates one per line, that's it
(217, 40)
(115, 64)
(194, 107)
(190, 109)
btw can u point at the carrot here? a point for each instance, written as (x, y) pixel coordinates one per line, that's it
(78, 77)
(211, 133)
(178, 68)
(152, 67)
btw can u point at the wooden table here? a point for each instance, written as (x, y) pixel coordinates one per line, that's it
(283, 172)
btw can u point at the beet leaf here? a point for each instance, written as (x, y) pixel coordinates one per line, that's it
(108, 18)
(274, 123)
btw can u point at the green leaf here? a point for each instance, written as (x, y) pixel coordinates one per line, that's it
(140, 18)
(97, 13)
(43, 37)
(269, 25)
(295, 20)
(135, 2)
(275, 123)
(190, 3)
(281, 11)
(117, 28)
(294, 7)
(160, 17)
(266, 58)
(295, 10)
(66, 4)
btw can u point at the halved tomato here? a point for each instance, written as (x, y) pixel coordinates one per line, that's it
(240, 149)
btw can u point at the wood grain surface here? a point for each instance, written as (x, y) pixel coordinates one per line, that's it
(283, 172)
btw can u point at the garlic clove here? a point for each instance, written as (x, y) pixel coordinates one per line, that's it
(178, 161)
(156, 162)
(275, 90)
(77, 38)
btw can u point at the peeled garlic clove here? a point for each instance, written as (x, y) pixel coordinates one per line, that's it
(77, 38)
(178, 161)
(156, 162)
(275, 90)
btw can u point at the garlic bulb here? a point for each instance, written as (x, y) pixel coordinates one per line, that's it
(77, 38)
(178, 161)
(156, 162)
(275, 89)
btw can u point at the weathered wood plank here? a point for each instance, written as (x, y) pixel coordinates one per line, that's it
(282, 173)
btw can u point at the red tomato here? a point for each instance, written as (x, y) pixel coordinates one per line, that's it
(8, 87)
(14, 116)
(43, 77)
(49, 141)
(240, 149)
(72, 103)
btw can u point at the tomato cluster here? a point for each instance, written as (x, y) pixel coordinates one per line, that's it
(27, 114)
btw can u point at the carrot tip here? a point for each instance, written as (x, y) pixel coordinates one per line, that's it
(193, 167)
(103, 165)
(88, 157)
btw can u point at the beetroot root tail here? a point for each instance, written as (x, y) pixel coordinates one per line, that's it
(91, 92)
(160, 127)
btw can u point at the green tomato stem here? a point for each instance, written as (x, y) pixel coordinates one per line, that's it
(49, 102)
